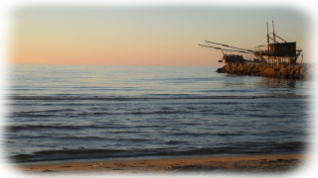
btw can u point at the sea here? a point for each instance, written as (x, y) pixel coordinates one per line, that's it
(87, 112)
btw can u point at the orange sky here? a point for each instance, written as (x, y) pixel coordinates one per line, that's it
(166, 36)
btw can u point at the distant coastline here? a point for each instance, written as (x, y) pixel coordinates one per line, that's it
(297, 71)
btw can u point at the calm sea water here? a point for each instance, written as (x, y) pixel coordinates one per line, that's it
(86, 112)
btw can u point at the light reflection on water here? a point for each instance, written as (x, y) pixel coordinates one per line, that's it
(72, 112)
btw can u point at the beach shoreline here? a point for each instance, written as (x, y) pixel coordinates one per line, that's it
(272, 163)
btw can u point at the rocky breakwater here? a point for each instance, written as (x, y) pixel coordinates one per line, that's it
(297, 71)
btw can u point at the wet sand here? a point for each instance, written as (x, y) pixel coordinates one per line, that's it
(209, 164)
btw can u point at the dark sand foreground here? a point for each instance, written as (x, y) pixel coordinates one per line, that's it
(282, 163)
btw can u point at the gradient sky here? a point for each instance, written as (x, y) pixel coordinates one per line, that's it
(146, 35)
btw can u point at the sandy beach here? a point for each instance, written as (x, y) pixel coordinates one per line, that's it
(281, 163)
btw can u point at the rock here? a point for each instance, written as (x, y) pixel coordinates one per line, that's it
(227, 68)
(269, 72)
(219, 70)
(283, 73)
(296, 74)
(304, 71)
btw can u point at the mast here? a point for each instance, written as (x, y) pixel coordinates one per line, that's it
(273, 32)
(267, 32)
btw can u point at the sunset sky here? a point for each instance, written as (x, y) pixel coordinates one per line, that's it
(146, 35)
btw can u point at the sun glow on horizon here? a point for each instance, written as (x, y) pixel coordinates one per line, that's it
(138, 36)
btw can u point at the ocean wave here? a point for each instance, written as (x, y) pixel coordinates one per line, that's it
(15, 128)
(37, 127)
(51, 155)
(158, 97)
(222, 134)
(6, 104)
(238, 148)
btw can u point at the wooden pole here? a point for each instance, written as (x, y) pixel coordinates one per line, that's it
(273, 32)
(301, 59)
(267, 33)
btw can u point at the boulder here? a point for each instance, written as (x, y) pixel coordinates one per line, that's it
(269, 72)
(220, 70)
(304, 71)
